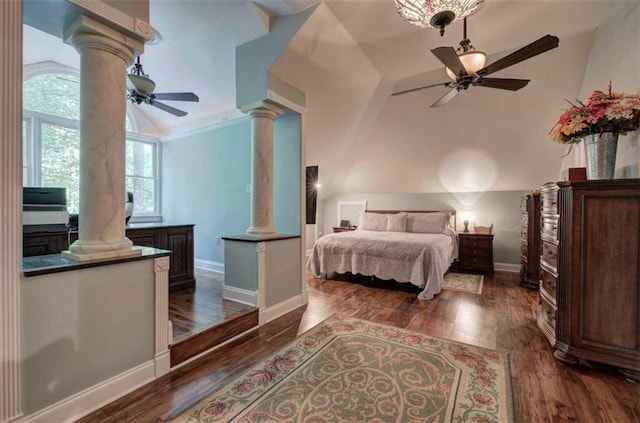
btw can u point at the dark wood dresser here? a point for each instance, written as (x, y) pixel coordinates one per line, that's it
(598, 285)
(475, 252)
(176, 238)
(547, 304)
(530, 240)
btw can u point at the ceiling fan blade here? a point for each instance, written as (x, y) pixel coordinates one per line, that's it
(449, 57)
(176, 96)
(502, 83)
(444, 84)
(167, 108)
(446, 98)
(545, 43)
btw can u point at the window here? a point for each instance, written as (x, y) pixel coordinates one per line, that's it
(51, 154)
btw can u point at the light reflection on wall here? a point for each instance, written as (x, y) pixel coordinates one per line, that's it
(467, 174)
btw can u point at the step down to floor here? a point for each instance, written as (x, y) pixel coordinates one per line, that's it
(207, 338)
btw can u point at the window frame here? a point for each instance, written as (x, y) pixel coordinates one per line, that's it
(33, 122)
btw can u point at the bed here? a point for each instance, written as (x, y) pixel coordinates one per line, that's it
(404, 246)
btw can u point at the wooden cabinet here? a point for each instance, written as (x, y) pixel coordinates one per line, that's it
(598, 281)
(177, 238)
(475, 252)
(530, 240)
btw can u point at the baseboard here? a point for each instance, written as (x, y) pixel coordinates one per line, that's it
(507, 267)
(270, 313)
(240, 295)
(163, 363)
(209, 268)
(95, 397)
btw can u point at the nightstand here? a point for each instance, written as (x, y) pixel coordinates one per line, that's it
(475, 252)
(337, 229)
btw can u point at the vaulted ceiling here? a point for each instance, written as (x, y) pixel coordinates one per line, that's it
(197, 53)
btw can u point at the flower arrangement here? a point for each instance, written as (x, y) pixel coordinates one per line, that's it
(602, 112)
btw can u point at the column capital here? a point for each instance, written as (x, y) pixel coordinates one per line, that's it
(263, 109)
(86, 32)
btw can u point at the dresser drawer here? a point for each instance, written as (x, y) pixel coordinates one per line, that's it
(547, 315)
(550, 226)
(549, 198)
(484, 260)
(549, 284)
(475, 242)
(550, 254)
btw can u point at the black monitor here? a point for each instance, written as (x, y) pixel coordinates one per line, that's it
(44, 196)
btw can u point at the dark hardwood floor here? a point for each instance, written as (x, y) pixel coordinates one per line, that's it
(195, 309)
(502, 318)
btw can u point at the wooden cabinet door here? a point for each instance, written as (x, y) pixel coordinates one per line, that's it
(180, 242)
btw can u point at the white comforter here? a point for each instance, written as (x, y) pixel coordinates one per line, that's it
(421, 259)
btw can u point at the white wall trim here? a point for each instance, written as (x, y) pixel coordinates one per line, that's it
(240, 295)
(95, 397)
(162, 336)
(507, 267)
(163, 363)
(209, 268)
(268, 314)
(229, 119)
(11, 215)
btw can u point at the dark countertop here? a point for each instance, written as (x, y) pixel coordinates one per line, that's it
(149, 225)
(55, 263)
(259, 238)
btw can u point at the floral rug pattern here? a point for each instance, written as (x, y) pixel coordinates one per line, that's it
(351, 370)
(463, 282)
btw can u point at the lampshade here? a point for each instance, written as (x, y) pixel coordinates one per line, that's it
(472, 61)
(435, 13)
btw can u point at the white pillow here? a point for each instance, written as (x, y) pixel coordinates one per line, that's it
(372, 222)
(397, 222)
(428, 223)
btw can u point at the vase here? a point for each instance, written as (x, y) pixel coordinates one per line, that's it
(601, 154)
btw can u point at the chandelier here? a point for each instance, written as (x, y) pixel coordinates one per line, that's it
(435, 13)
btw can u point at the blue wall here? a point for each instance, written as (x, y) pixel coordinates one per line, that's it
(286, 175)
(205, 178)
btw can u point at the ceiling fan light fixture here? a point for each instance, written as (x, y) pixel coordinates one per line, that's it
(472, 61)
(142, 84)
(435, 13)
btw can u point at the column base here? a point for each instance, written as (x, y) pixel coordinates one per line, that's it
(85, 251)
(261, 230)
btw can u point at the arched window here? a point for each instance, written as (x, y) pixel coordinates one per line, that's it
(51, 101)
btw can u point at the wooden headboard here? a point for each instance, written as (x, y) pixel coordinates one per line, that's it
(452, 212)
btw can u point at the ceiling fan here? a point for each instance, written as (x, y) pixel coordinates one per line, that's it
(141, 88)
(466, 67)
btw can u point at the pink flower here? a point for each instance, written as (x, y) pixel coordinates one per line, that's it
(483, 399)
(602, 112)
(241, 387)
(281, 363)
(413, 339)
(216, 408)
(483, 419)
(260, 377)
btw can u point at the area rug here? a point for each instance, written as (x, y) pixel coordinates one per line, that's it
(351, 370)
(463, 282)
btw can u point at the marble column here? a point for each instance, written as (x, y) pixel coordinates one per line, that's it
(104, 58)
(11, 212)
(262, 117)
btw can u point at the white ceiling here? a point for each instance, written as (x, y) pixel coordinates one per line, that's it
(197, 51)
